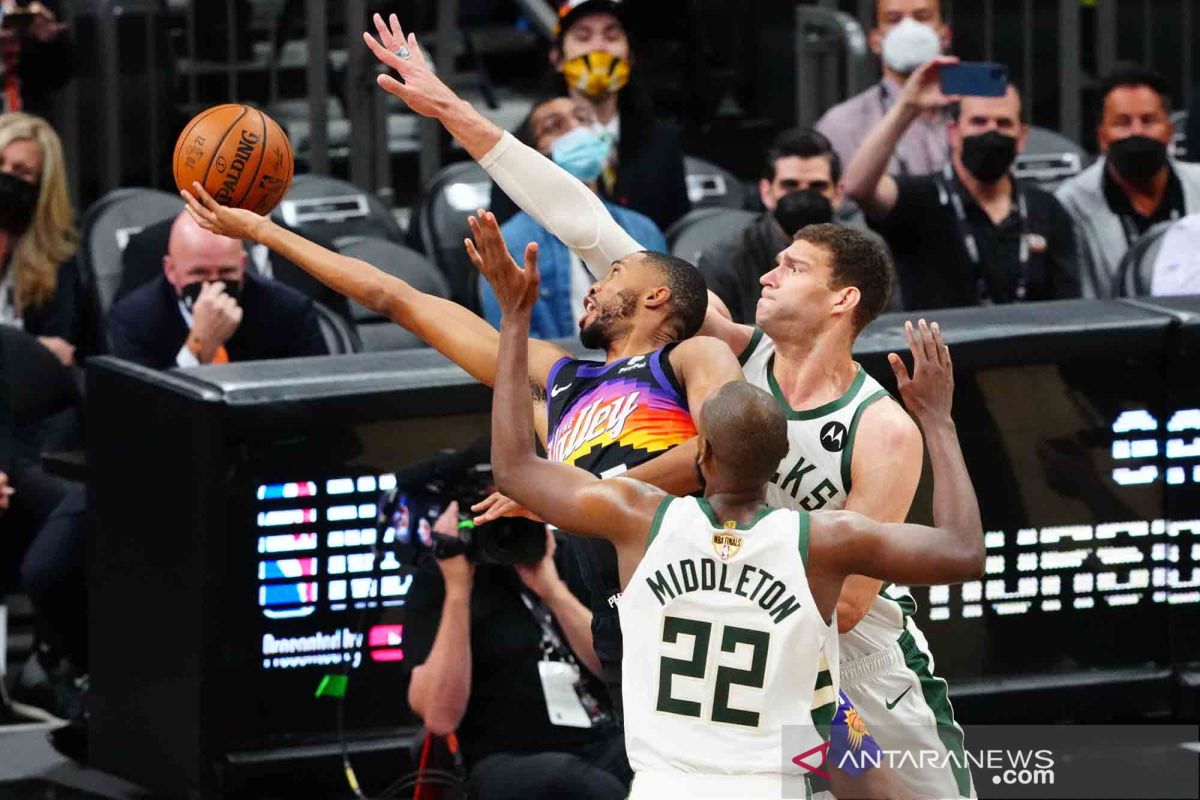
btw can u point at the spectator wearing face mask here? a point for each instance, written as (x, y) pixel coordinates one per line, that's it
(970, 234)
(566, 130)
(644, 169)
(1134, 185)
(39, 284)
(799, 186)
(907, 34)
(207, 308)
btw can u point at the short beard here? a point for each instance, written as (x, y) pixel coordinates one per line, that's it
(598, 335)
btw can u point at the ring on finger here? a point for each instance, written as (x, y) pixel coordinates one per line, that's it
(403, 52)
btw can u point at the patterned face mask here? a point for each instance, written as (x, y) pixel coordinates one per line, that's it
(597, 73)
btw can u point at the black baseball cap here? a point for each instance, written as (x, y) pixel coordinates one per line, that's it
(571, 10)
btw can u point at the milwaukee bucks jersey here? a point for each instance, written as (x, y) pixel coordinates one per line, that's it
(723, 643)
(815, 476)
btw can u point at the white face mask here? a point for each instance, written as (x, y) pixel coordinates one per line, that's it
(910, 44)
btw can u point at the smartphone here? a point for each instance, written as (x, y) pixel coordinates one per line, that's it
(975, 78)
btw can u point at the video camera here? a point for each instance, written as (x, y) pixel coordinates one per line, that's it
(424, 490)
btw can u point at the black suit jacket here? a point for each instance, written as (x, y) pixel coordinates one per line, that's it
(277, 322)
(142, 262)
(650, 180)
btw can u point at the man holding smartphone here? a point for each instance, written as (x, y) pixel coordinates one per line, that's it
(969, 234)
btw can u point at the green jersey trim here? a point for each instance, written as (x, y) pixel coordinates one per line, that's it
(819, 411)
(934, 690)
(750, 347)
(802, 543)
(712, 516)
(847, 452)
(659, 513)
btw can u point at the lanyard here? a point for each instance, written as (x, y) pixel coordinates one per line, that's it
(948, 195)
(551, 641)
(1131, 230)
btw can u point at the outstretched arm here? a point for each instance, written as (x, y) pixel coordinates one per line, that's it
(444, 325)
(620, 510)
(952, 551)
(558, 201)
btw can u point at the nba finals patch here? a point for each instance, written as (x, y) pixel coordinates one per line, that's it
(726, 544)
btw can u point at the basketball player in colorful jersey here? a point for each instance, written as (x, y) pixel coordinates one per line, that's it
(851, 446)
(727, 601)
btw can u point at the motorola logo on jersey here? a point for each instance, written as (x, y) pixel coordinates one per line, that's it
(833, 436)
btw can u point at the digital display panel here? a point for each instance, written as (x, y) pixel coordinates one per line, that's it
(1075, 466)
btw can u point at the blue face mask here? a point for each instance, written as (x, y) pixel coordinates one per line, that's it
(582, 152)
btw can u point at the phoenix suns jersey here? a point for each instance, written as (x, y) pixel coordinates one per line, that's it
(815, 475)
(606, 418)
(723, 644)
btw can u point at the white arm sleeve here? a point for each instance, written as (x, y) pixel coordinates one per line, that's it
(560, 203)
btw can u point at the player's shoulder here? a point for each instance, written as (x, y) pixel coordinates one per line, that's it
(701, 351)
(886, 427)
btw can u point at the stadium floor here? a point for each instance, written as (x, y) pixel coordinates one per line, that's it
(32, 770)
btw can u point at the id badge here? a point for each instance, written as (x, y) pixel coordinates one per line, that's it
(562, 701)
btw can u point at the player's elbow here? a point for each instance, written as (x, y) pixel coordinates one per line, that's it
(850, 611)
(971, 559)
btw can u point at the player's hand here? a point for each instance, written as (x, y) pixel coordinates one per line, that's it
(215, 318)
(497, 505)
(516, 289)
(421, 89)
(63, 350)
(922, 91)
(929, 393)
(6, 493)
(457, 572)
(236, 223)
(542, 578)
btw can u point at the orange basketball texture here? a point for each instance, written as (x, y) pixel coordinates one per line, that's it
(238, 154)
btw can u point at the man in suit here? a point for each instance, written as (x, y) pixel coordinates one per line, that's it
(207, 308)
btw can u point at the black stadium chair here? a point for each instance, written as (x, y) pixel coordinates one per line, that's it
(454, 193)
(340, 336)
(332, 208)
(376, 331)
(701, 228)
(1136, 272)
(711, 186)
(107, 227)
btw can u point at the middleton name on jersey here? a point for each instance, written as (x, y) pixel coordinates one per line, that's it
(747, 580)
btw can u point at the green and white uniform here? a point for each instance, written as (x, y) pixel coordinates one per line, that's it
(723, 648)
(886, 668)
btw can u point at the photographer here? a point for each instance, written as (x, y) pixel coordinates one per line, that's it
(510, 655)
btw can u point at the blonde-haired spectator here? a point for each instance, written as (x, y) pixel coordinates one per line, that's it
(38, 276)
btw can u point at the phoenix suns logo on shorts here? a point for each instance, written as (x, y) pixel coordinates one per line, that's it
(726, 543)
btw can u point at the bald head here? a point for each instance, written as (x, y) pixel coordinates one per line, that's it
(195, 255)
(746, 431)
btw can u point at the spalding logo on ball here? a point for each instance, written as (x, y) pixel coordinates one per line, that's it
(238, 154)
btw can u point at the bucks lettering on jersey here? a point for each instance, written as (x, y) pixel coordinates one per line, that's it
(815, 475)
(723, 642)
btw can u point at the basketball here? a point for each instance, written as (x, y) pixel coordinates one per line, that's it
(238, 154)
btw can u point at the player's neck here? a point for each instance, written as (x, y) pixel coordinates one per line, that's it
(814, 371)
(636, 343)
(737, 504)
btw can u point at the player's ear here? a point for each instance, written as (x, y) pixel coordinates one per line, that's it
(658, 296)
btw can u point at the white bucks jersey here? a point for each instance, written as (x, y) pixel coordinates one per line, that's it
(723, 643)
(815, 476)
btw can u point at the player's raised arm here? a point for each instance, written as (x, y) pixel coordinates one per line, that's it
(452, 330)
(619, 509)
(952, 551)
(561, 203)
